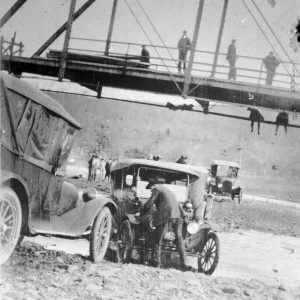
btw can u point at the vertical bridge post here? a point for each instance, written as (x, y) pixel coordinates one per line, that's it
(63, 58)
(193, 48)
(213, 71)
(111, 24)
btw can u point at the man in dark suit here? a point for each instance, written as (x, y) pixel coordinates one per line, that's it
(168, 213)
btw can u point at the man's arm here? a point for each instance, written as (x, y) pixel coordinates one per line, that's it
(150, 202)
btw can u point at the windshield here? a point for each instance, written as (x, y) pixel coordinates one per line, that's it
(176, 181)
(226, 171)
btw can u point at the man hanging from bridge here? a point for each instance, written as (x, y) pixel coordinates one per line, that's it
(282, 119)
(271, 63)
(255, 116)
(183, 46)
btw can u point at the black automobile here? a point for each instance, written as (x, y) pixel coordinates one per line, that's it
(221, 181)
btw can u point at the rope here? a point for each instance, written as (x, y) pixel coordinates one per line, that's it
(291, 61)
(171, 76)
(262, 31)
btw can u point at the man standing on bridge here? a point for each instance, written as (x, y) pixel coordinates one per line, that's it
(145, 56)
(271, 63)
(231, 57)
(183, 46)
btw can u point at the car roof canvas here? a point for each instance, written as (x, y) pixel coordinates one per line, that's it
(25, 89)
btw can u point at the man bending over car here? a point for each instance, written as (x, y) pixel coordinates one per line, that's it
(167, 214)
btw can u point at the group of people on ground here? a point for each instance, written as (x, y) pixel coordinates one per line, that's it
(99, 169)
(184, 44)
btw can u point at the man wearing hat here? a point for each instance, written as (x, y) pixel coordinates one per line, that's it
(183, 46)
(167, 214)
(271, 63)
(145, 55)
(231, 57)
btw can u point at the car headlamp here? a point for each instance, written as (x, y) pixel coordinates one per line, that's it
(220, 185)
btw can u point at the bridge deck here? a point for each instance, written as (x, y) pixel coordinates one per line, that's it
(93, 75)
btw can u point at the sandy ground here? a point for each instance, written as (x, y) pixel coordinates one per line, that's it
(260, 258)
(266, 268)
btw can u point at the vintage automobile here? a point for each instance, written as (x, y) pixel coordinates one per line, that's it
(131, 237)
(221, 180)
(37, 134)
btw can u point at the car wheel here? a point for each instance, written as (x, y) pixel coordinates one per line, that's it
(209, 254)
(240, 196)
(100, 235)
(125, 242)
(10, 222)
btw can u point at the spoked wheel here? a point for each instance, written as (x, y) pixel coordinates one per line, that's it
(100, 235)
(10, 222)
(209, 254)
(125, 242)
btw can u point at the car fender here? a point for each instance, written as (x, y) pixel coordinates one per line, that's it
(8, 175)
(19, 185)
(80, 219)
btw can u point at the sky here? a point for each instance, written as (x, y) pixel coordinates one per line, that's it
(38, 19)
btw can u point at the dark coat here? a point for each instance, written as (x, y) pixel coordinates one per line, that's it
(231, 53)
(271, 63)
(184, 43)
(166, 203)
(255, 115)
(145, 56)
(282, 118)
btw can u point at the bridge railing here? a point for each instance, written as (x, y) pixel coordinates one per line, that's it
(248, 68)
(11, 47)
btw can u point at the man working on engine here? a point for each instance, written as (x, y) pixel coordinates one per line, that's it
(168, 214)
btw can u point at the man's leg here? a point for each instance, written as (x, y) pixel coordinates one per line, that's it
(180, 243)
(158, 239)
(269, 78)
(277, 126)
(179, 66)
(258, 127)
(252, 124)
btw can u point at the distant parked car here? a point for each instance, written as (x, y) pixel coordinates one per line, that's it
(37, 134)
(223, 175)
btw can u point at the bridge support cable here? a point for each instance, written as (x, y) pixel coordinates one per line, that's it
(11, 12)
(220, 34)
(63, 60)
(275, 35)
(188, 74)
(58, 32)
(156, 31)
(111, 25)
(144, 31)
(262, 31)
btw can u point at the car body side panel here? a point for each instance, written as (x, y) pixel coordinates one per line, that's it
(76, 221)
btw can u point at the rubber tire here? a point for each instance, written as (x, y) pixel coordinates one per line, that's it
(100, 235)
(8, 195)
(125, 257)
(211, 236)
